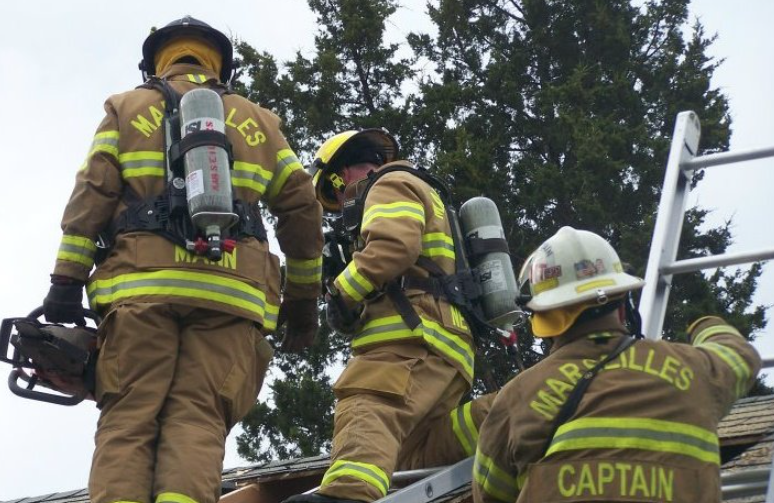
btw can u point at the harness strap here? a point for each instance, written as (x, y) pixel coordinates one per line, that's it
(200, 139)
(571, 405)
(167, 214)
(152, 215)
(402, 304)
(482, 246)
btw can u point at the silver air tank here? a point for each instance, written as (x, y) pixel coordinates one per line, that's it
(480, 219)
(207, 170)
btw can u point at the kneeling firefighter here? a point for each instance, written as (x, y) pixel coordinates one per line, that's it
(400, 299)
(187, 288)
(610, 416)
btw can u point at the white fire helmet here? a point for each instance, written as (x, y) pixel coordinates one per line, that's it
(572, 271)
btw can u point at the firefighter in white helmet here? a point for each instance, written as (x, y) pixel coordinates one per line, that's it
(606, 416)
(183, 353)
(399, 397)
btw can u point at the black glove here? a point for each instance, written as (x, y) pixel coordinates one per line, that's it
(302, 318)
(64, 302)
(340, 318)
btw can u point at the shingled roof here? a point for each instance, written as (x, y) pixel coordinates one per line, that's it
(746, 437)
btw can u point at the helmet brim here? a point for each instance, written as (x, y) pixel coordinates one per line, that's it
(599, 288)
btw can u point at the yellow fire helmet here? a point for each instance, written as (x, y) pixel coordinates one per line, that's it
(344, 149)
(572, 271)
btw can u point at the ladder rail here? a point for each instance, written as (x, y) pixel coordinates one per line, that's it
(669, 224)
(441, 482)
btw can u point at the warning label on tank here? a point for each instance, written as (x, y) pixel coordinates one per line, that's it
(492, 277)
(194, 183)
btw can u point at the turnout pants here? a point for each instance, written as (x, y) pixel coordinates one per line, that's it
(398, 408)
(172, 381)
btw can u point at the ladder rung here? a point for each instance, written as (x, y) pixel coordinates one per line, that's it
(768, 361)
(707, 161)
(698, 264)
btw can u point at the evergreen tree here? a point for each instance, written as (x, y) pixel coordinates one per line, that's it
(560, 111)
(353, 81)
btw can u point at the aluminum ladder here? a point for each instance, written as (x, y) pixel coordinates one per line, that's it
(662, 264)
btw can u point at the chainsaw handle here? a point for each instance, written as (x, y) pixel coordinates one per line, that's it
(88, 313)
(13, 385)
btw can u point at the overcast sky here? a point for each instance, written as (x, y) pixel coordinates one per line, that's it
(59, 62)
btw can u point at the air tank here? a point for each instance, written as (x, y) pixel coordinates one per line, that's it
(207, 170)
(480, 219)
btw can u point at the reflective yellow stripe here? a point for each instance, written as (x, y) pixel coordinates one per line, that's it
(287, 163)
(142, 163)
(77, 249)
(392, 328)
(270, 316)
(637, 433)
(79, 241)
(304, 271)
(74, 257)
(174, 498)
(106, 141)
(450, 344)
(495, 481)
(134, 173)
(354, 284)
(464, 428)
(733, 360)
(197, 78)
(715, 330)
(438, 244)
(141, 155)
(189, 284)
(251, 176)
(399, 209)
(368, 473)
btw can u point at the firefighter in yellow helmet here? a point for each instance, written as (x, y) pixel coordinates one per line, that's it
(399, 397)
(646, 427)
(183, 353)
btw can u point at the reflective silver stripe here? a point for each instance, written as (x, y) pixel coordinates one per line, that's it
(368, 473)
(637, 433)
(464, 353)
(394, 210)
(304, 270)
(494, 480)
(143, 163)
(464, 428)
(251, 176)
(78, 250)
(176, 284)
(227, 291)
(354, 284)
(393, 328)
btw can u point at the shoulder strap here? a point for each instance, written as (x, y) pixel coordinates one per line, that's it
(571, 405)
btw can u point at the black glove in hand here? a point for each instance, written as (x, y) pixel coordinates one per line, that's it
(302, 319)
(340, 318)
(64, 303)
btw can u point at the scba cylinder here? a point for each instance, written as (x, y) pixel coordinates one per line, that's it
(488, 255)
(207, 170)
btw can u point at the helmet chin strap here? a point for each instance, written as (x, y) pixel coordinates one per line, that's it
(632, 316)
